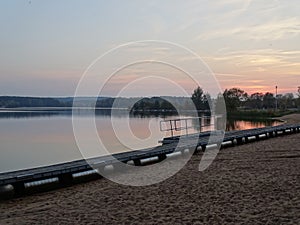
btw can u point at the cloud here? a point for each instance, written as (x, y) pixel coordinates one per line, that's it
(273, 30)
(259, 60)
(228, 75)
(208, 12)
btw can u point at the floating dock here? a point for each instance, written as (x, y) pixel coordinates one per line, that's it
(64, 173)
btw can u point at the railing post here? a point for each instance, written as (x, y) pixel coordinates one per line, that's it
(200, 123)
(186, 127)
(171, 128)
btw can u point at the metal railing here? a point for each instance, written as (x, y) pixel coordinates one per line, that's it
(179, 124)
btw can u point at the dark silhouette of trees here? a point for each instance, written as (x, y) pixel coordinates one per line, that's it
(269, 101)
(286, 101)
(200, 99)
(256, 100)
(15, 102)
(234, 98)
(105, 103)
(152, 104)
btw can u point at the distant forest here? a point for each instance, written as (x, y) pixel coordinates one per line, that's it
(16, 102)
(235, 100)
(154, 103)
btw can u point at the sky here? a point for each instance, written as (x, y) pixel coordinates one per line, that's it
(47, 46)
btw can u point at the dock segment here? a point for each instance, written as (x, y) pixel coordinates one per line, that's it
(65, 171)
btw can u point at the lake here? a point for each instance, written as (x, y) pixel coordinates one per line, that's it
(32, 138)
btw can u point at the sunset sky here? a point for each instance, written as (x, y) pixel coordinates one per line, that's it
(45, 46)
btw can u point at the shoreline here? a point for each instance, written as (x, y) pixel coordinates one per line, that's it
(291, 118)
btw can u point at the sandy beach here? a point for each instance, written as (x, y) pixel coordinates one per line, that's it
(291, 118)
(256, 183)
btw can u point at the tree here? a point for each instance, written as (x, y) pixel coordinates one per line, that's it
(166, 105)
(289, 98)
(269, 101)
(234, 98)
(200, 99)
(256, 100)
(286, 101)
(156, 105)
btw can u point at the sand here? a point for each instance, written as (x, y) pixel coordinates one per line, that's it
(291, 118)
(256, 183)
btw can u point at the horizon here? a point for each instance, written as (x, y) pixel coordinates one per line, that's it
(154, 96)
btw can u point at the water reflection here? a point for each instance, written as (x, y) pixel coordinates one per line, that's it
(157, 113)
(35, 138)
(232, 124)
(26, 114)
(205, 122)
(85, 112)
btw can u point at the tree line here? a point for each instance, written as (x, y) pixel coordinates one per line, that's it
(236, 99)
(15, 102)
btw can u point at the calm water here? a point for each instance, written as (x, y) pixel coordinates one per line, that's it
(36, 138)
